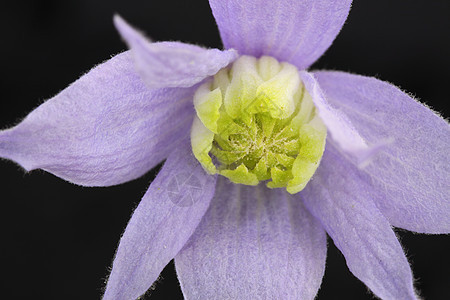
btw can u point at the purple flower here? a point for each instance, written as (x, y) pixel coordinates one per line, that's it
(230, 240)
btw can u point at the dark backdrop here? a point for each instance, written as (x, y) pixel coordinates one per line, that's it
(58, 240)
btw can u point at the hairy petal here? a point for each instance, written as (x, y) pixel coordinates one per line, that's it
(164, 220)
(341, 199)
(338, 124)
(104, 129)
(295, 31)
(172, 64)
(413, 172)
(253, 243)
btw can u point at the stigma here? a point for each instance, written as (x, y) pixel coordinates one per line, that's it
(256, 122)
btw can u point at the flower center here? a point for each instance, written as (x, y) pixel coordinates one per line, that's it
(256, 122)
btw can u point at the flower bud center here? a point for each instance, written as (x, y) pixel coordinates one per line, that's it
(256, 122)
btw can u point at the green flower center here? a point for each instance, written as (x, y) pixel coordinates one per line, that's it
(256, 122)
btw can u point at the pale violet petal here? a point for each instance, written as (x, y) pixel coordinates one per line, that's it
(338, 124)
(172, 64)
(104, 129)
(342, 199)
(253, 243)
(164, 220)
(413, 171)
(295, 31)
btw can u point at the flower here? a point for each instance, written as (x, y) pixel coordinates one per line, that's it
(105, 142)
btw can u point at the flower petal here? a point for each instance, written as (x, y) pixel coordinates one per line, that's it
(339, 196)
(413, 172)
(253, 243)
(172, 64)
(106, 128)
(340, 127)
(295, 31)
(164, 220)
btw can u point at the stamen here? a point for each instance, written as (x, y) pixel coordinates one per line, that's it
(256, 122)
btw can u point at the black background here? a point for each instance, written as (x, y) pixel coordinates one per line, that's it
(58, 239)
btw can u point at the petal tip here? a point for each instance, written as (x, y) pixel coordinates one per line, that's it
(120, 23)
(127, 32)
(365, 156)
